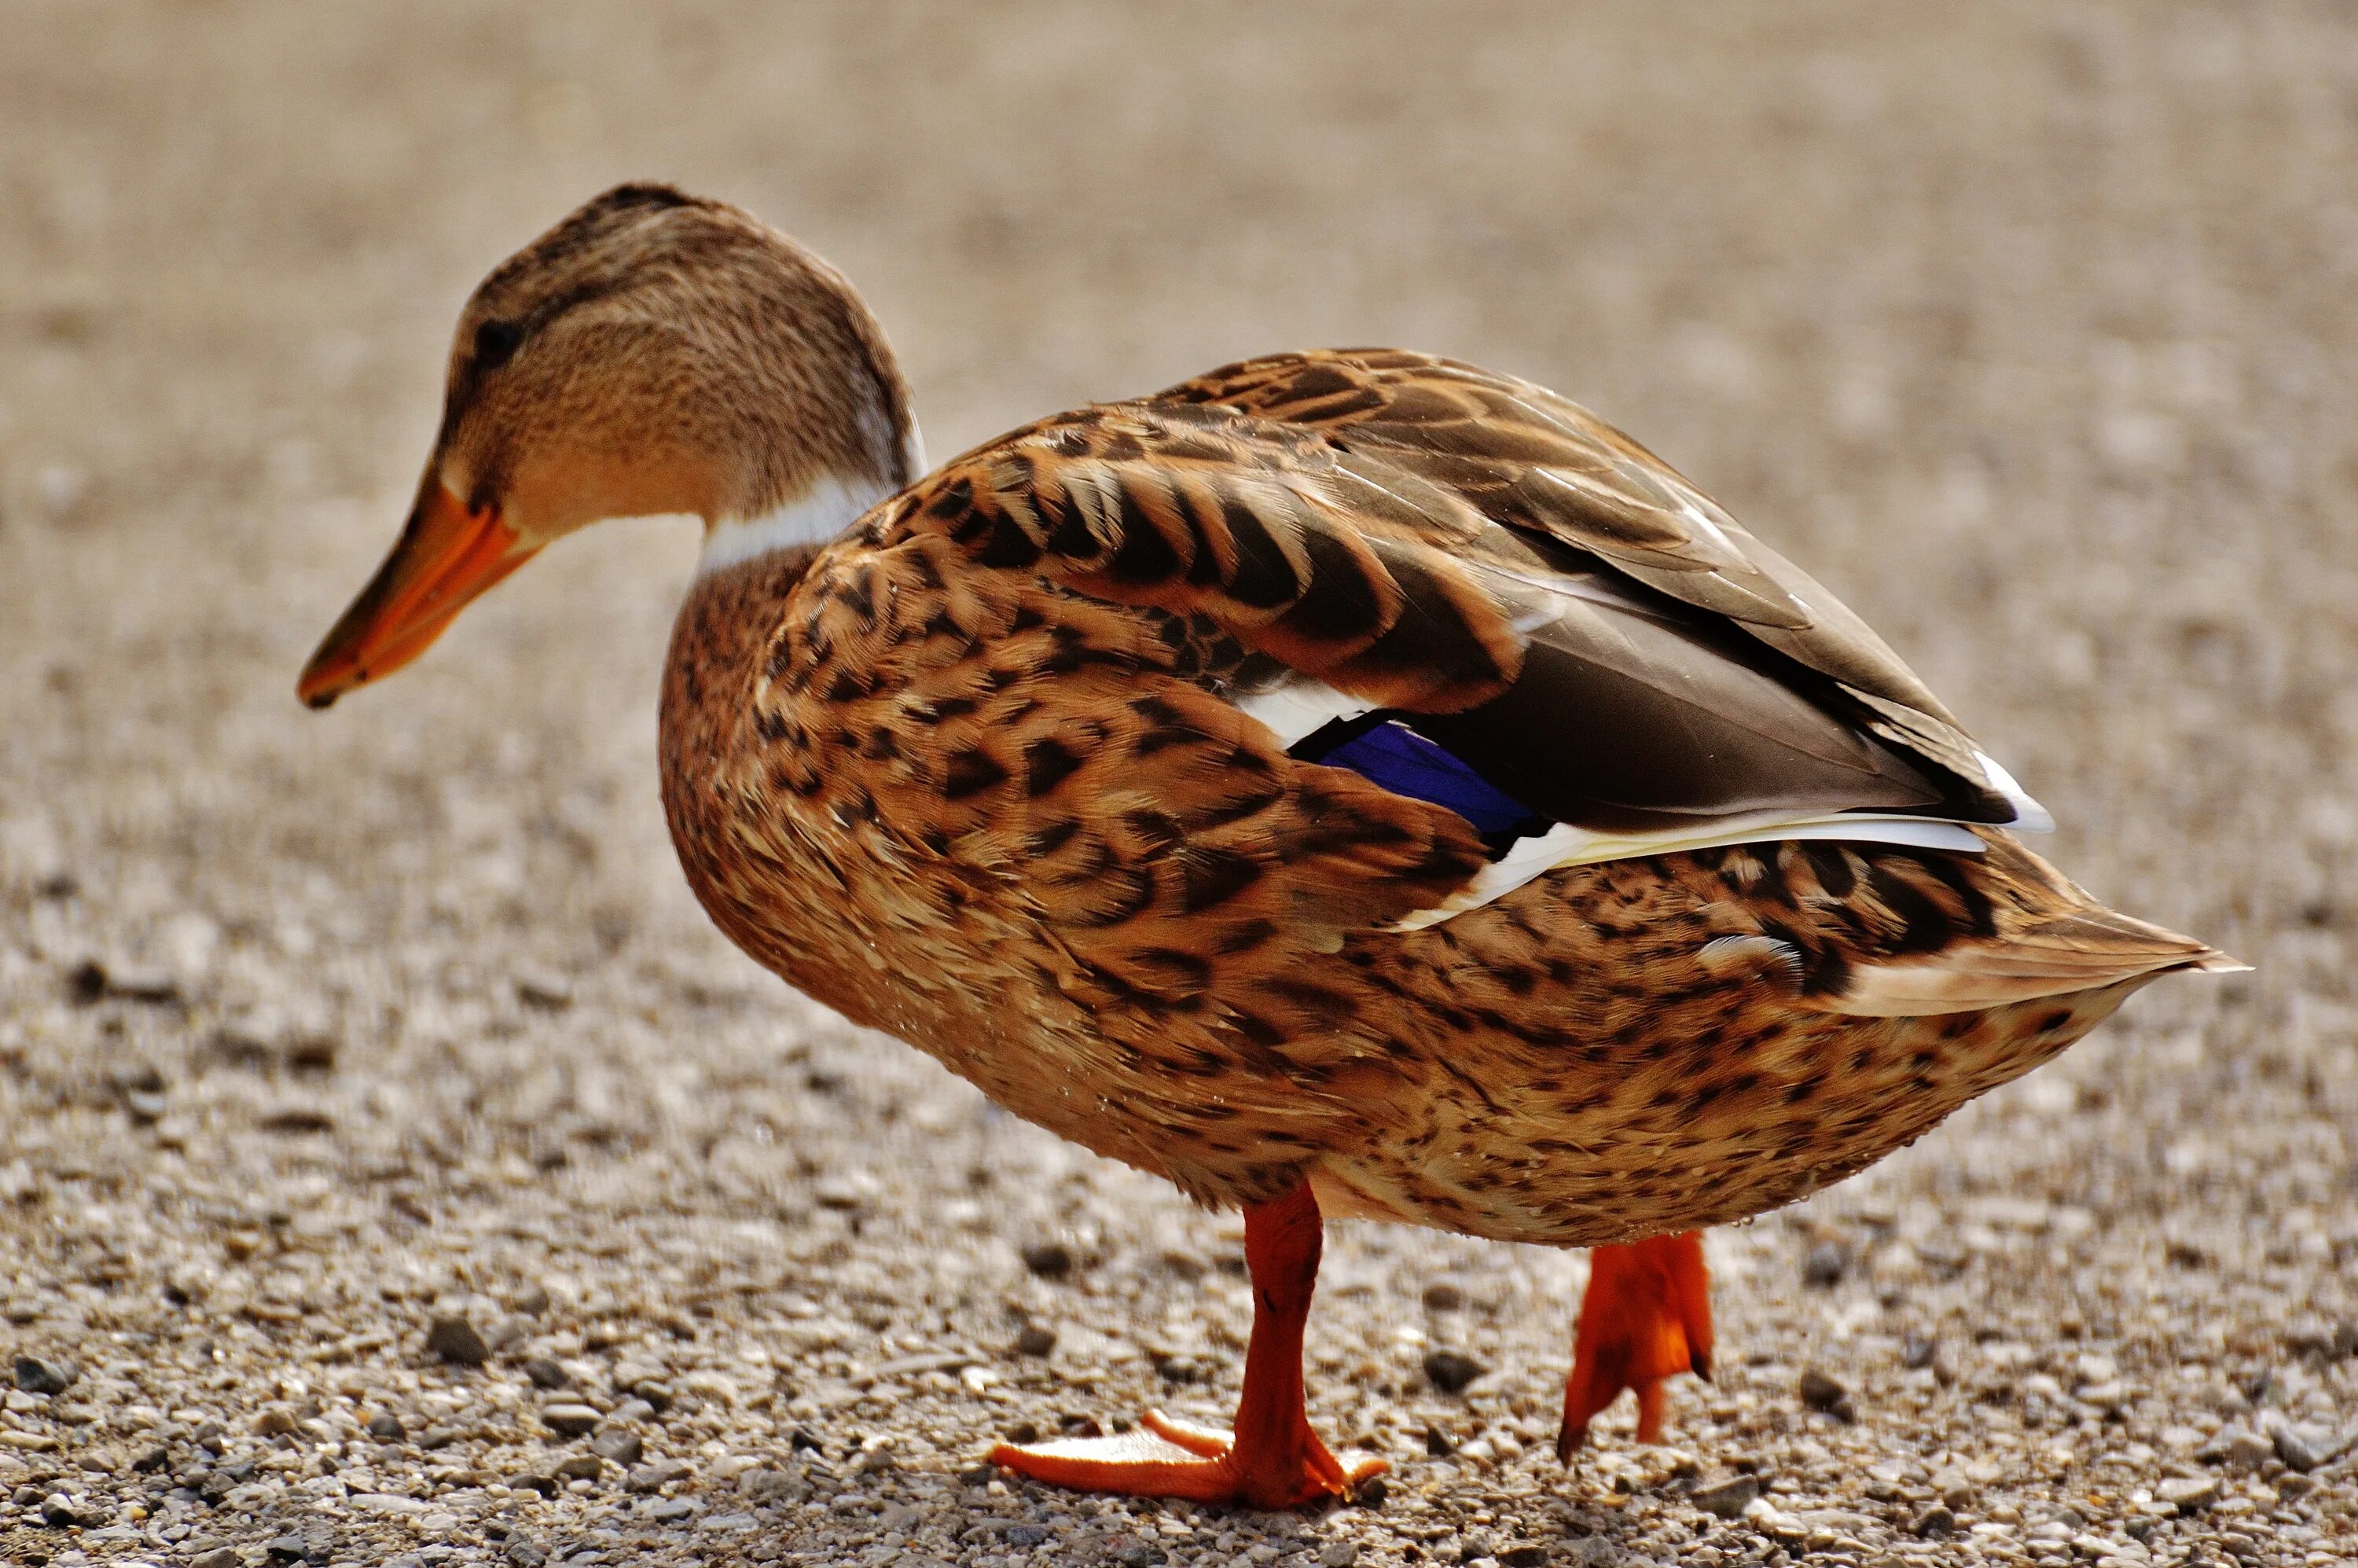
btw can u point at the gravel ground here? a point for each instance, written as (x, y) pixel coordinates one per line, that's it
(394, 1167)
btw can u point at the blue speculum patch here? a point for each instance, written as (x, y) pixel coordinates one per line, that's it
(1387, 753)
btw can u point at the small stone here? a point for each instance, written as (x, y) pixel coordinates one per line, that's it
(275, 1421)
(2304, 1448)
(546, 1373)
(1935, 1522)
(1523, 1554)
(544, 989)
(524, 1551)
(671, 1510)
(1372, 1493)
(2109, 1395)
(1443, 1296)
(801, 1441)
(1825, 1265)
(2188, 1494)
(145, 1107)
(1822, 1393)
(1035, 1340)
(218, 1557)
(1954, 1488)
(385, 1427)
(286, 1548)
(456, 1340)
(569, 1420)
(1048, 1259)
(532, 1301)
(1437, 1444)
(1028, 1535)
(58, 1510)
(630, 1375)
(634, 1409)
(617, 1445)
(92, 980)
(1918, 1350)
(2345, 1340)
(35, 1376)
(1338, 1554)
(580, 1467)
(2239, 1446)
(1451, 1370)
(655, 1475)
(1728, 1499)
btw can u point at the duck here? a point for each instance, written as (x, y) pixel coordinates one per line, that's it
(1349, 784)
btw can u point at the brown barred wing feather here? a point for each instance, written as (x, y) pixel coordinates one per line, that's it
(1591, 633)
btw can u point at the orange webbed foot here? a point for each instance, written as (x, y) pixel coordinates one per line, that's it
(1272, 1459)
(1167, 1458)
(1645, 1318)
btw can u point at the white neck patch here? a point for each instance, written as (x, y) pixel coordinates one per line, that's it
(812, 518)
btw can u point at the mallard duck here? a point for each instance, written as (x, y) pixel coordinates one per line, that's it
(1351, 783)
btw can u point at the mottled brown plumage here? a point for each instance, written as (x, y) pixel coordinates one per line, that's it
(1042, 767)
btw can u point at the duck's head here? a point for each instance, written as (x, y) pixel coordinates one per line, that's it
(654, 353)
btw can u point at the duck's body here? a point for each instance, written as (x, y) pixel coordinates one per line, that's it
(1350, 781)
(1565, 1064)
(1043, 833)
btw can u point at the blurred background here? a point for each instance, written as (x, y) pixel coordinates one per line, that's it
(2026, 328)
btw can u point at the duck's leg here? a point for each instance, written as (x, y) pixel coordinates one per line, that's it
(1272, 1459)
(1646, 1317)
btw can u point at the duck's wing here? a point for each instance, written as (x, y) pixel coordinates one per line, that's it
(1389, 536)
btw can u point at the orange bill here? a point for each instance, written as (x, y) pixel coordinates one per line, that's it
(446, 556)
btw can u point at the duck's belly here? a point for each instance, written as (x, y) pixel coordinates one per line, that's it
(1713, 1122)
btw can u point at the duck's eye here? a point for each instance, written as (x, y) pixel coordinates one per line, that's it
(495, 343)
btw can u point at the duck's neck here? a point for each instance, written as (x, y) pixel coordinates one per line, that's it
(823, 509)
(812, 468)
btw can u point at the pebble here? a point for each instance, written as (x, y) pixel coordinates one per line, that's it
(1935, 1522)
(1821, 1391)
(1451, 1370)
(655, 1475)
(218, 1557)
(1523, 1554)
(1728, 1499)
(567, 1419)
(546, 1373)
(1824, 1266)
(37, 1376)
(671, 1510)
(1035, 1340)
(1048, 1259)
(2305, 1448)
(617, 1445)
(1338, 1554)
(385, 1427)
(2188, 1494)
(93, 980)
(456, 1340)
(544, 989)
(1443, 1296)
